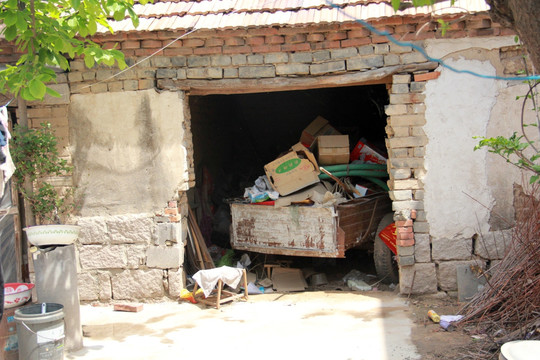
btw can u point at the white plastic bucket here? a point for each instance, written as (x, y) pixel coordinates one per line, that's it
(40, 329)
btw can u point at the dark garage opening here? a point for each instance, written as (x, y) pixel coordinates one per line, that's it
(234, 136)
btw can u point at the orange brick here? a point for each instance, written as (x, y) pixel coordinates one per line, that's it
(296, 47)
(404, 229)
(193, 42)
(263, 31)
(405, 236)
(145, 35)
(379, 39)
(177, 51)
(256, 40)
(315, 37)
(360, 33)
(396, 20)
(405, 243)
(156, 44)
(172, 204)
(234, 41)
(275, 39)
(146, 52)
(171, 211)
(130, 44)
(427, 76)
(413, 214)
(266, 48)
(128, 307)
(408, 222)
(214, 42)
(355, 42)
(207, 50)
(236, 49)
(295, 39)
(326, 45)
(336, 36)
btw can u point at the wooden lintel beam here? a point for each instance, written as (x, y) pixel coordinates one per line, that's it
(245, 86)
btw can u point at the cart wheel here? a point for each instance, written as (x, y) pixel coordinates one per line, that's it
(385, 265)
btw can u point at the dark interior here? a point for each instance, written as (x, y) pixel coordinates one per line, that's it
(234, 136)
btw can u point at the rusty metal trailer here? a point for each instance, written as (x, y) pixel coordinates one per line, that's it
(308, 231)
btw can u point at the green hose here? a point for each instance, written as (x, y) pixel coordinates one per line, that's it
(345, 167)
(370, 175)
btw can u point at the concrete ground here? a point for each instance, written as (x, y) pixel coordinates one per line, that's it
(308, 325)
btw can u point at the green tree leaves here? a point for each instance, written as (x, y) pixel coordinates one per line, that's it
(49, 33)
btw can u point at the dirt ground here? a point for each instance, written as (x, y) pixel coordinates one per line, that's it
(432, 341)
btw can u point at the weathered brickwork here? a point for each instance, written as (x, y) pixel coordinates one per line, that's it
(140, 256)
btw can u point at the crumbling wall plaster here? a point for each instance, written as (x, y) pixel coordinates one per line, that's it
(458, 107)
(128, 151)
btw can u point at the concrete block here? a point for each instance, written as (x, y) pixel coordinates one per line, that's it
(166, 73)
(407, 163)
(412, 58)
(250, 72)
(276, 58)
(396, 49)
(168, 232)
(138, 285)
(406, 260)
(136, 256)
(421, 227)
(105, 287)
(160, 61)
(418, 195)
(93, 230)
(292, 69)
(102, 257)
(419, 152)
(167, 257)
(411, 98)
(401, 79)
(400, 131)
(88, 286)
(176, 282)
(405, 251)
(418, 279)
(178, 61)
(381, 48)
(343, 53)
(493, 245)
(302, 57)
(451, 249)
(397, 109)
(366, 50)
(321, 55)
(238, 59)
(401, 195)
(198, 61)
(326, 68)
(406, 184)
(406, 205)
(400, 174)
(99, 88)
(365, 62)
(230, 73)
(205, 73)
(220, 60)
(130, 229)
(407, 120)
(400, 88)
(391, 59)
(418, 86)
(469, 282)
(447, 273)
(422, 248)
(257, 59)
(181, 74)
(75, 77)
(131, 85)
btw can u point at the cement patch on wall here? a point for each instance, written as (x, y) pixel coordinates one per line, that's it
(127, 150)
(458, 106)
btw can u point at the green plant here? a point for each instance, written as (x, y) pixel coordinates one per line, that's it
(49, 33)
(36, 157)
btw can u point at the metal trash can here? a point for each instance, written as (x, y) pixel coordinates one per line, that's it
(40, 329)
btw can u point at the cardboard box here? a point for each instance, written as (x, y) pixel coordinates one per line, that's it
(333, 149)
(366, 154)
(293, 171)
(317, 127)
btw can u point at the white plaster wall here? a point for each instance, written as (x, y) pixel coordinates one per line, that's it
(458, 107)
(127, 150)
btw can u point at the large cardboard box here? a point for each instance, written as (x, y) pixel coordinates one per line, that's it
(333, 149)
(293, 171)
(317, 127)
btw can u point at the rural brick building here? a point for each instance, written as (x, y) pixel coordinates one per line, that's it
(221, 84)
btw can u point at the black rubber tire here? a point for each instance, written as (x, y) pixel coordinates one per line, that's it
(385, 264)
